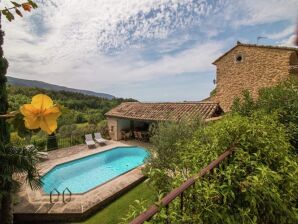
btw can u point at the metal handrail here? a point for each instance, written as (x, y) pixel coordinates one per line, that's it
(154, 209)
(66, 189)
(55, 189)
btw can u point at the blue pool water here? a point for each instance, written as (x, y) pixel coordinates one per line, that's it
(88, 172)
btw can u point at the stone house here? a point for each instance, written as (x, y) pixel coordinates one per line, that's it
(251, 67)
(131, 116)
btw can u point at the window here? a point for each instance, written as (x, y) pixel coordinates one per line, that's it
(239, 58)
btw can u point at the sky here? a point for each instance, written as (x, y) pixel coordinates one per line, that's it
(149, 50)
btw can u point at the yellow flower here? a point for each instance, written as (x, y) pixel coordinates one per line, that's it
(41, 113)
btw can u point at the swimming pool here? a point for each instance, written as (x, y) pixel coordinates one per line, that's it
(83, 174)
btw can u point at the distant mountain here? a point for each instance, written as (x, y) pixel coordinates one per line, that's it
(44, 85)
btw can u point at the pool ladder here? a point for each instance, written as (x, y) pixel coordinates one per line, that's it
(63, 195)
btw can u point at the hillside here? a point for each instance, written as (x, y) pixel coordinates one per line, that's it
(48, 86)
(80, 113)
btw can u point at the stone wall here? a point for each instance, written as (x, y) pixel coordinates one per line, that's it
(257, 67)
(113, 128)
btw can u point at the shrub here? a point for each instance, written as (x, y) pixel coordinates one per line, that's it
(169, 141)
(94, 118)
(66, 130)
(90, 128)
(80, 118)
(104, 129)
(258, 185)
(39, 140)
(16, 140)
(245, 106)
(281, 99)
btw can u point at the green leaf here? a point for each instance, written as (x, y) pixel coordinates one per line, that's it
(15, 4)
(4, 12)
(9, 16)
(33, 4)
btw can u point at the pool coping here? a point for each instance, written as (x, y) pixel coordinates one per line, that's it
(130, 146)
(36, 207)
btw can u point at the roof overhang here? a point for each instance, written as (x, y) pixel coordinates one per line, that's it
(165, 111)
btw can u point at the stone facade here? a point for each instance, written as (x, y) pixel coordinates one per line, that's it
(251, 67)
(113, 128)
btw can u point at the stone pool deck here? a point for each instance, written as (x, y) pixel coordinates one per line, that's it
(35, 206)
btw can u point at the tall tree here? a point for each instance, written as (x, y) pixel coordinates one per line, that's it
(12, 159)
(4, 132)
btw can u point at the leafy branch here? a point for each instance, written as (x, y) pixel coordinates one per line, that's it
(26, 6)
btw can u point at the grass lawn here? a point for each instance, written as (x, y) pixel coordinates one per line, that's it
(113, 213)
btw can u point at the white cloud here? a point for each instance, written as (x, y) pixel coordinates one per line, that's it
(77, 33)
(254, 12)
(282, 34)
(99, 44)
(100, 71)
(197, 59)
(290, 42)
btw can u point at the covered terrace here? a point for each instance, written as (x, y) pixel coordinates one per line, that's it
(132, 119)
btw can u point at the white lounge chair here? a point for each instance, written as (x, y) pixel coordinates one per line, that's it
(89, 141)
(98, 138)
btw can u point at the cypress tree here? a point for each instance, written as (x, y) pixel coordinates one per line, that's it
(12, 158)
(4, 132)
(6, 200)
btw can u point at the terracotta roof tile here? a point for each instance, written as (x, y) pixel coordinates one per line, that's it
(165, 111)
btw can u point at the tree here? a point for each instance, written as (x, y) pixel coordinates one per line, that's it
(4, 132)
(95, 118)
(168, 140)
(12, 159)
(20, 160)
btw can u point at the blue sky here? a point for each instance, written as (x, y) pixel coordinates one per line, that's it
(150, 50)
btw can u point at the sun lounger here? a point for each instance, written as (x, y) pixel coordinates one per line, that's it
(89, 141)
(99, 139)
